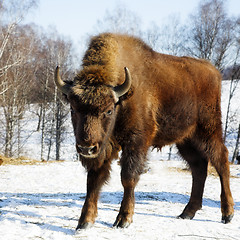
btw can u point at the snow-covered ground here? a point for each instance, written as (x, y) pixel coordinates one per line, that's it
(44, 202)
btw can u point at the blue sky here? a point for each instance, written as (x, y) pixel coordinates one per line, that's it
(77, 18)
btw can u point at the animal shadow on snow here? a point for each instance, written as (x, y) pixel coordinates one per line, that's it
(14, 202)
(11, 204)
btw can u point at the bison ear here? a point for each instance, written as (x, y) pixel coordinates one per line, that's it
(124, 88)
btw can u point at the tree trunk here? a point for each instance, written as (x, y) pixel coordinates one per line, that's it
(228, 111)
(235, 153)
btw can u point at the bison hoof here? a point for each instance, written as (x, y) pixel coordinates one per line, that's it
(227, 219)
(185, 216)
(84, 226)
(121, 223)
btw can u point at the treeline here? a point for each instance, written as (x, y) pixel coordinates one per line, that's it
(208, 33)
(29, 55)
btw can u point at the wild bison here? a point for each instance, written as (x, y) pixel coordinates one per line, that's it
(163, 100)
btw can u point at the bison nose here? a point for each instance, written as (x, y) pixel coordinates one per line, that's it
(90, 152)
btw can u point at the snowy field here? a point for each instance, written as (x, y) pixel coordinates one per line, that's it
(44, 202)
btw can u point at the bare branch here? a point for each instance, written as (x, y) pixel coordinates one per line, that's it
(211, 33)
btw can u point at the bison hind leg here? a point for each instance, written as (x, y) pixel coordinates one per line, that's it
(198, 163)
(219, 158)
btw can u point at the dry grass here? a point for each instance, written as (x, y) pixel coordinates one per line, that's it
(21, 161)
(211, 170)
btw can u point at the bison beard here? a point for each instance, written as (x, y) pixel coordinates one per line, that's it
(163, 100)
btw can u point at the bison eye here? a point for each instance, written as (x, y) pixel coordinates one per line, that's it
(109, 112)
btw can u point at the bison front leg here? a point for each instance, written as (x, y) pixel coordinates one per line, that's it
(124, 218)
(132, 167)
(95, 180)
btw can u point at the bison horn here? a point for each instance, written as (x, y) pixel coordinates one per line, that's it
(64, 87)
(122, 89)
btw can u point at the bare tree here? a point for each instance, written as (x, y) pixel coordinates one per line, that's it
(211, 32)
(52, 111)
(153, 36)
(235, 79)
(233, 74)
(15, 96)
(27, 63)
(236, 148)
(167, 38)
(233, 86)
(12, 13)
(13, 54)
(120, 20)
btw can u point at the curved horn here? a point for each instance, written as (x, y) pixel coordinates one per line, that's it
(64, 87)
(122, 89)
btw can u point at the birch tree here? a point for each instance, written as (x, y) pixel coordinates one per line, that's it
(14, 99)
(12, 12)
(56, 50)
(120, 20)
(211, 32)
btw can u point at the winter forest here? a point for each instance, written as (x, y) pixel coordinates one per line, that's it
(32, 111)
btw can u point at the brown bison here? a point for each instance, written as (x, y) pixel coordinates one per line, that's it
(128, 97)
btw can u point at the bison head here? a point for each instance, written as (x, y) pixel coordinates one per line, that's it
(93, 112)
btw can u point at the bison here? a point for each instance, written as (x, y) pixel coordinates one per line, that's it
(129, 97)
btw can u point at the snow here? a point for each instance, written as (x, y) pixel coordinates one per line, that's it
(44, 201)
(234, 116)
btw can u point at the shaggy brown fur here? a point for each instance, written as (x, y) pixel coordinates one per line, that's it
(171, 100)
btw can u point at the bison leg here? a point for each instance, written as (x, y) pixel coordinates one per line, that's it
(124, 218)
(219, 159)
(95, 180)
(132, 167)
(198, 164)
